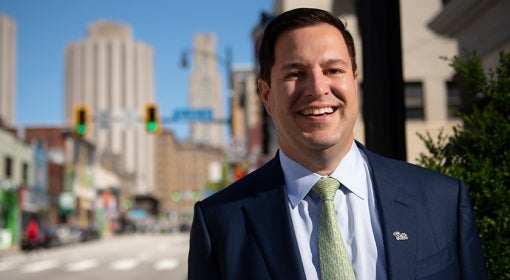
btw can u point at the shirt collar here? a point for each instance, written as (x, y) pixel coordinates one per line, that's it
(299, 180)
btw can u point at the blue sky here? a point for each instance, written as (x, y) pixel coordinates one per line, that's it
(46, 27)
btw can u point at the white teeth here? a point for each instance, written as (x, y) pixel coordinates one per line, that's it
(317, 111)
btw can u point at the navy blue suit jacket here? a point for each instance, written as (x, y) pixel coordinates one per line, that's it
(245, 231)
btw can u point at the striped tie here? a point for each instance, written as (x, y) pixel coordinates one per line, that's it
(334, 260)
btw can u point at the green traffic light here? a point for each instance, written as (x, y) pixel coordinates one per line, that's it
(81, 121)
(152, 127)
(81, 129)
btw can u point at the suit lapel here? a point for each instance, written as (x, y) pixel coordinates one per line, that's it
(269, 217)
(268, 214)
(397, 213)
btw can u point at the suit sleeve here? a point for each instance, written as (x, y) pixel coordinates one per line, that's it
(472, 261)
(201, 261)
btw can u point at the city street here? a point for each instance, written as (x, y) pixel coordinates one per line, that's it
(137, 256)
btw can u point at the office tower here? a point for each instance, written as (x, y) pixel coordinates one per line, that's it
(112, 75)
(206, 90)
(7, 69)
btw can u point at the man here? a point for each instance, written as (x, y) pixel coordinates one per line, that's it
(395, 220)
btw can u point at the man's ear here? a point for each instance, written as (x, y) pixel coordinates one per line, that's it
(356, 76)
(264, 91)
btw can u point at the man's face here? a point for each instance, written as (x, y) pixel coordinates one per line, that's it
(312, 96)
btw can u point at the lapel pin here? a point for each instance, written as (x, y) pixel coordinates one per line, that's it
(399, 236)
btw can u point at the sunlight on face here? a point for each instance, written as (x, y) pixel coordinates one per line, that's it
(312, 97)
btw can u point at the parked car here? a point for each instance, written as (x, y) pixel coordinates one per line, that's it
(48, 237)
(67, 235)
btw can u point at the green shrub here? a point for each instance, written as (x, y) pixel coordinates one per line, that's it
(478, 152)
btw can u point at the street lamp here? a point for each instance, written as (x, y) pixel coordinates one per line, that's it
(226, 61)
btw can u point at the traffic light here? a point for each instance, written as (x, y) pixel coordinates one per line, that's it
(151, 118)
(80, 120)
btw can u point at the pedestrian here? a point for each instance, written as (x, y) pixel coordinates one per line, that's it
(325, 207)
(32, 234)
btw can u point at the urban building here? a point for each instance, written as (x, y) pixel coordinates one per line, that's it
(183, 172)
(245, 145)
(109, 177)
(7, 69)
(33, 197)
(267, 139)
(111, 74)
(16, 165)
(70, 187)
(205, 91)
(430, 95)
(476, 25)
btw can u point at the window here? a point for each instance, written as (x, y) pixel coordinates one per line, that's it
(454, 100)
(414, 100)
(8, 167)
(24, 173)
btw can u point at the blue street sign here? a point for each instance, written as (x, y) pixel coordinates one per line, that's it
(193, 115)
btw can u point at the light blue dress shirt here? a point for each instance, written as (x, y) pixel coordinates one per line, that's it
(356, 212)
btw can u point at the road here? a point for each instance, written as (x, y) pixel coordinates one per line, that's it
(120, 257)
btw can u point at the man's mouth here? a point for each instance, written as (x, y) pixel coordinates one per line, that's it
(317, 111)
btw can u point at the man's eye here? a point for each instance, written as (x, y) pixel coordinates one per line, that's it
(334, 71)
(292, 75)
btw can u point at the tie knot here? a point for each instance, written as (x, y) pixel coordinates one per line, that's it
(326, 188)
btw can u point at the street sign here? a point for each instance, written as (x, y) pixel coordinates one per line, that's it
(129, 119)
(104, 119)
(193, 115)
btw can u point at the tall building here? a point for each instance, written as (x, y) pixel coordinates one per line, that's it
(430, 95)
(7, 69)
(206, 91)
(112, 75)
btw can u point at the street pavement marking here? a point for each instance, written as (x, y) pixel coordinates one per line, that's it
(40, 266)
(124, 264)
(143, 256)
(166, 264)
(82, 265)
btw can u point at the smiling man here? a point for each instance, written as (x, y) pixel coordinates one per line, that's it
(325, 207)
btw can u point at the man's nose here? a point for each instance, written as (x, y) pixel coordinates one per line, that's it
(317, 84)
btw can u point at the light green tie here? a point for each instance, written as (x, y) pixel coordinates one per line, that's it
(333, 257)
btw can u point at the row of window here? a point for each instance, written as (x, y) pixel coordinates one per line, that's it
(414, 103)
(9, 170)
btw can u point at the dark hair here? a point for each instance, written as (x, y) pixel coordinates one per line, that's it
(293, 19)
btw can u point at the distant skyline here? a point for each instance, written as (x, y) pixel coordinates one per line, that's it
(46, 27)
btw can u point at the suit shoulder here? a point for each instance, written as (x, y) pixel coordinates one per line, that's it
(401, 169)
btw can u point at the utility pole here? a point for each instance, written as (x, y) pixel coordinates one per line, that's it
(383, 87)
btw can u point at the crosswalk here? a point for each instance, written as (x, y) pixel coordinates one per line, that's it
(129, 257)
(40, 264)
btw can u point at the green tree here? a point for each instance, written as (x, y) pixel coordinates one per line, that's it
(478, 152)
